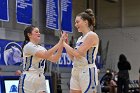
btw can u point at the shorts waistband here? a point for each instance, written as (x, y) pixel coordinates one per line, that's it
(86, 66)
(33, 72)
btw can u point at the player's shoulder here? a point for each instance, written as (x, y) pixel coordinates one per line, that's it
(91, 33)
(29, 45)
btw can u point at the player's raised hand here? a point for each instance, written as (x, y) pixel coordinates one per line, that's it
(65, 37)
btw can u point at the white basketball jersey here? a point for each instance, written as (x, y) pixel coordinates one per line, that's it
(31, 62)
(90, 56)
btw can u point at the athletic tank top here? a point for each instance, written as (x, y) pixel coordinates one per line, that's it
(90, 56)
(30, 61)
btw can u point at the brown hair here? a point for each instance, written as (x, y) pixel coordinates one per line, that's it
(26, 31)
(89, 16)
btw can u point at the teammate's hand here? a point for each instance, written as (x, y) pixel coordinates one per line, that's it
(65, 37)
(62, 38)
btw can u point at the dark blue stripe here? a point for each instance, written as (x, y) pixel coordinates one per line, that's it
(94, 76)
(93, 55)
(44, 62)
(88, 56)
(30, 62)
(79, 43)
(26, 62)
(89, 81)
(23, 83)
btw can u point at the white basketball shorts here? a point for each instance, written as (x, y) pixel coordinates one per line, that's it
(32, 83)
(84, 79)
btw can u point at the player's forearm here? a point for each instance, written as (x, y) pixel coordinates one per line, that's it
(57, 55)
(48, 53)
(53, 49)
(71, 51)
(70, 56)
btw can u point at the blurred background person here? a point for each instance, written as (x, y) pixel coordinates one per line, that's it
(123, 74)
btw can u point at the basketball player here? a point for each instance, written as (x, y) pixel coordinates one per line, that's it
(84, 78)
(32, 79)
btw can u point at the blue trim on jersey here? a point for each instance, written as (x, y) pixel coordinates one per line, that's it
(25, 63)
(87, 54)
(94, 77)
(44, 63)
(79, 43)
(23, 83)
(87, 57)
(30, 62)
(89, 81)
(93, 55)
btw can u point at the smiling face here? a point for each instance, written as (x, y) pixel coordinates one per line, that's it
(34, 35)
(80, 24)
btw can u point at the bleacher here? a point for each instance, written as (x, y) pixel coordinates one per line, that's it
(134, 86)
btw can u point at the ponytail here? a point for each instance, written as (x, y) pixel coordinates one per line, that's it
(24, 43)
